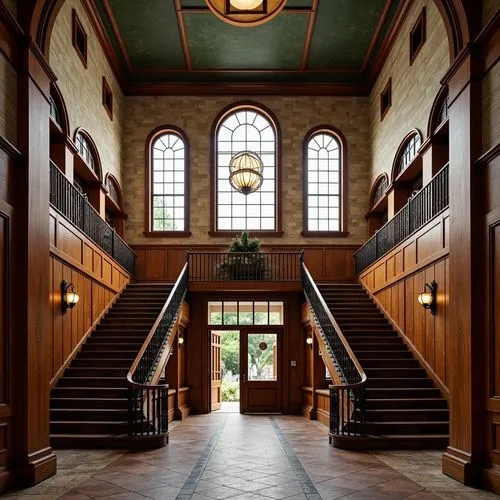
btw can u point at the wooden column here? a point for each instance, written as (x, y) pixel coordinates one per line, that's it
(396, 199)
(463, 457)
(33, 343)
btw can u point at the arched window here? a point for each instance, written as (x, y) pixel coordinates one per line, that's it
(114, 210)
(324, 181)
(407, 151)
(167, 183)
(246, 127)
(378, 190)
(88, 152)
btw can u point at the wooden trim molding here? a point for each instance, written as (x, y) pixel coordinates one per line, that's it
(148, 219)
(344, 173)
(260, 108)
(7, 147)
(488, 156)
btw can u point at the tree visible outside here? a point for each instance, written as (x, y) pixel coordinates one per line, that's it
(260, 361)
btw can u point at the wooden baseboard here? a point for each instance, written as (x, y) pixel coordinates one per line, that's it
(77, 348)
(323, 417)
(41, 465)
(309, 412)
(462, 466)
(6, 480)
(491, 479)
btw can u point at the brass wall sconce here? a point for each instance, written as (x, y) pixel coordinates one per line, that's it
(428, 297)
(69, 296)
(181, 341)
(309, 342)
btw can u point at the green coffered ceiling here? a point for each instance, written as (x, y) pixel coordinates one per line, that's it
(310, 41)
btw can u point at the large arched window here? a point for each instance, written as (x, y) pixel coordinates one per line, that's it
(325, 154)
(245, 127)
(167, 183)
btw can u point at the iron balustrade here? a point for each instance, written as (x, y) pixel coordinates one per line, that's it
(347, 400)
(148, 403)
(261, 266)
(426, 204)
(76, 208)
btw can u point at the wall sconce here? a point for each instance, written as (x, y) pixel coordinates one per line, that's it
(428, 297)
(181, 340)
(309, 342)
(69, 295)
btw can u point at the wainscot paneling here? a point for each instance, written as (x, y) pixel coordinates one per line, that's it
(98, 279)
(325, 263)
(395, 281)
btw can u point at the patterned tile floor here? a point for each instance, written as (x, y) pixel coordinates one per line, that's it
(228, 455)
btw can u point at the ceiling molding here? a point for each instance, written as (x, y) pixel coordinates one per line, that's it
(102, 36)
(288, 10)
(376, 33)
(389, 39)
(116, 32)
(310, 30)
(183, 35)
(246, 89)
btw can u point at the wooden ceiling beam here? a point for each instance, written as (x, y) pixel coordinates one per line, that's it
(310, 31)
(183, 35)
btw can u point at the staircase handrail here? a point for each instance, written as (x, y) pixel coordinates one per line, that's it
(144, 396)
(347, 399)
(338, 331)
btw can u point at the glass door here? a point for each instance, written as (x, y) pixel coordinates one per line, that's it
(260, 371)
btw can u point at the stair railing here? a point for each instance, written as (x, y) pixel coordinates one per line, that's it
(347, 399)
(148, 403)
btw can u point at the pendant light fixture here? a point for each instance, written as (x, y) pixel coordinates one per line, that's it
(245, 12)
(245, 172)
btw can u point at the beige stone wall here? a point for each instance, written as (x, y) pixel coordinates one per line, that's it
(195, 115)
(82, 88)
(8, 100)
(414, 87)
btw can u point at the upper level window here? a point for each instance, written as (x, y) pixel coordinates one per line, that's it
(253, 129)
(408, 152)
(324, 181)
(85, 150)
(54, 111)
(379, 190)
(167, 182)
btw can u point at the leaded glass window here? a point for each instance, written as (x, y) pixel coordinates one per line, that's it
(85, 151)
(409, 152)
(246, 129)
(324, 182)
(168, 182)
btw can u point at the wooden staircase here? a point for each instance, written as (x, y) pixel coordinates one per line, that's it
(404, 410)
(89, 405)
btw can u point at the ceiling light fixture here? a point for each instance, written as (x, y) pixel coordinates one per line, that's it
(245, 12)
(245, 172)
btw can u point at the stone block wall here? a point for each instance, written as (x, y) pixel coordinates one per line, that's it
(296, 116)
(82, 88)
(414, 87)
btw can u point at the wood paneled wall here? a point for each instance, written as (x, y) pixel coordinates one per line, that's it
(76, 259)
(396, 279)
(325, 263)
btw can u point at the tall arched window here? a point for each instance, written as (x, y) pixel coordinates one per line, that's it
(245, 127)
(325, 153)
(167, 183)
(407, 151)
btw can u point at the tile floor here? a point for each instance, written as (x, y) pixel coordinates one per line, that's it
(228, 455)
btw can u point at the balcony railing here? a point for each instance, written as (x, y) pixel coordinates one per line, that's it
(262, 266)
(76, 208)
(347, 399)
(426, 204)
(148, 403)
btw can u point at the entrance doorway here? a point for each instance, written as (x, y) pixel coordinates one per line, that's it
(246, 370)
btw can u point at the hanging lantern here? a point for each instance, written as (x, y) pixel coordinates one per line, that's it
(245, 172)
(246, 12)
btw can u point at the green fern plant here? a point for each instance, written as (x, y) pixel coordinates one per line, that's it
(250, 266)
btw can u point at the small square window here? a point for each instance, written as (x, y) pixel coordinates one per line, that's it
(79, 38)
(386, 99)
(417, 36)
(107, 97)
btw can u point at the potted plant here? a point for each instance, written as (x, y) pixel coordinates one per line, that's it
(243, 261)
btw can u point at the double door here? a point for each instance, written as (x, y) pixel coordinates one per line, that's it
(260, 357)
